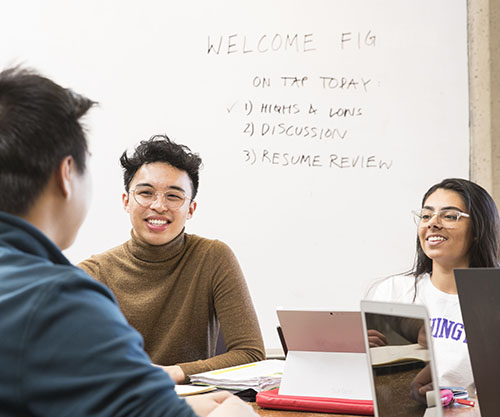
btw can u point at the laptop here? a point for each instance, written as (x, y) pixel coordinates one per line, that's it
(395, 365)
(479, 295)
(326, 354)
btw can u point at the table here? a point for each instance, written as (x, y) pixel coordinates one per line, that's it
(461, 411)
(398, 381)
(263, 412)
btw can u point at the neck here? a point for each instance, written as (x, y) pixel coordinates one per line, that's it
(47, 216)
(156, 253)
(443, 277)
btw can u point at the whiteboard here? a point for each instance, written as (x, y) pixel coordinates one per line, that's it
(320, 124)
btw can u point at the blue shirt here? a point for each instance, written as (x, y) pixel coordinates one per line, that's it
(65, 347)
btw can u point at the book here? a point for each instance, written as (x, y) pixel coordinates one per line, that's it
(395, 354)
(259, 376)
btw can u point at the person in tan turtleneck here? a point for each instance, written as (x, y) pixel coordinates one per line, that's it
(176, 288)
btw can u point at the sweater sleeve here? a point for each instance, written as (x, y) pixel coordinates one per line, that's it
(236, 315)
(96, 361)
(91, 267)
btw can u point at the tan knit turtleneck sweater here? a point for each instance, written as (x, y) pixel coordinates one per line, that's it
(176, 294)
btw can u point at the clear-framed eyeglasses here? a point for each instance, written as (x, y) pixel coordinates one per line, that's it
(447, 217)
(146, 196)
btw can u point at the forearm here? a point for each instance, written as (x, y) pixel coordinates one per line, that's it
(231, 358)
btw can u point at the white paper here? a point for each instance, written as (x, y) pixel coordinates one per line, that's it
(259, 376)
(185, 390)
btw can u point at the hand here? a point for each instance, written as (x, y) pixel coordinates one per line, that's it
(175, 372)
(422, 338)
(376, 338)
(232, 407)
(421, 384)
(204, 404)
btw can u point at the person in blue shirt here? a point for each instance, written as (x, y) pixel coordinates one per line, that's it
(65, 347)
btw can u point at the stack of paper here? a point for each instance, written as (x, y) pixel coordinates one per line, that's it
(259, 376)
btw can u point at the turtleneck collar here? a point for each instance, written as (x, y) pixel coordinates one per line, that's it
(155, 253)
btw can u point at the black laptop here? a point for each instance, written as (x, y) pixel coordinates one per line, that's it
(479, 294)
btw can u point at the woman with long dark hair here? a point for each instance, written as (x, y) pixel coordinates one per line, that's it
(458, 227)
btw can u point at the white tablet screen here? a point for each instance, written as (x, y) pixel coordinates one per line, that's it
(398, 352)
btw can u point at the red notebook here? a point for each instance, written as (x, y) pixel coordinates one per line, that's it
(272, 399)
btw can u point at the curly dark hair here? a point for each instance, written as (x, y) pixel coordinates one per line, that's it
(159, 148)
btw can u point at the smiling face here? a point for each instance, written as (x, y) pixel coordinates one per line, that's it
(157, 224)
(447, 247)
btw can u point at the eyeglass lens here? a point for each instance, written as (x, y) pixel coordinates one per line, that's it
(172, 199)
(448, 218)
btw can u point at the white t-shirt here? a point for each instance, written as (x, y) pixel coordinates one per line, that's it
(450, 344)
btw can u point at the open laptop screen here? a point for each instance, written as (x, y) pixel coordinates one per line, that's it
(479, 294)
(403, 331)
(326, 354)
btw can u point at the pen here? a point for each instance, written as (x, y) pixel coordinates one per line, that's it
(464, 402)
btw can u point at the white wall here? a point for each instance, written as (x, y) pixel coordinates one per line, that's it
(306, 236)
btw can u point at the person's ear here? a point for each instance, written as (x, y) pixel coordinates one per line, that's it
(192, 209)
(64, 176)
(126, 202)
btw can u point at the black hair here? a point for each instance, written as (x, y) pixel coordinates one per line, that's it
(485, 225)
(39, 127)
(159, 148)
(484, 251)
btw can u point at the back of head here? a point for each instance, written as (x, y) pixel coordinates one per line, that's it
(160, 148)
(39, 126)
(485, 224)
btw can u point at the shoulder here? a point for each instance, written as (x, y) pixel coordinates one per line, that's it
(218, 259)
(93, 265)
(65, 298)
(213, 246)
(71, 303)
(399, 288)
(70, 279)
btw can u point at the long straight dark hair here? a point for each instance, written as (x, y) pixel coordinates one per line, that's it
(485, 227)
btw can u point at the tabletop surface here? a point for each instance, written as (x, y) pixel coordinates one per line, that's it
(398, 381)
(461, 411)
